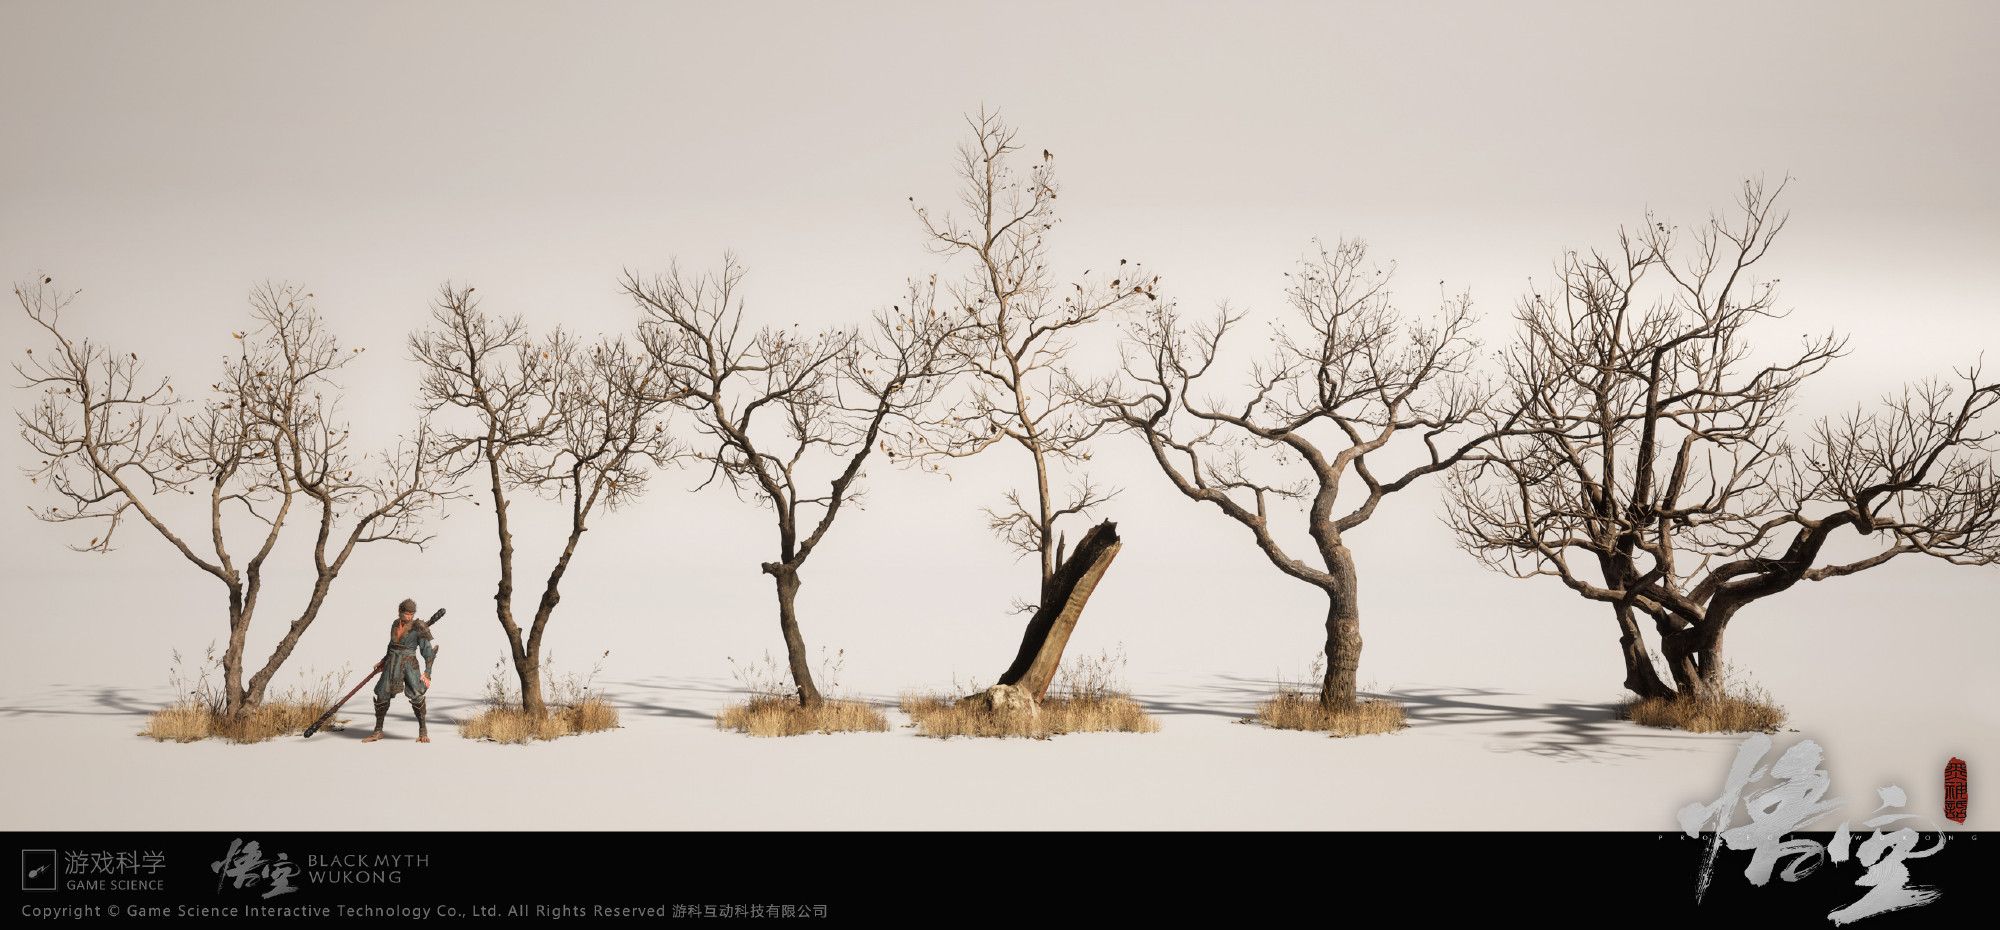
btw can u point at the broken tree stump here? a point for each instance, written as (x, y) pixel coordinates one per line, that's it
(1034, 669)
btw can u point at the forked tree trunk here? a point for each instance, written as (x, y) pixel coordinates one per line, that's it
(1063, 600)
(787, 579)
(1343, 632)
(1694, 656)
(1694, 653)
(1640, 675)
(529, 669)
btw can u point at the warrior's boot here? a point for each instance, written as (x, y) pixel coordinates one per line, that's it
(423, 724)
(381, 716)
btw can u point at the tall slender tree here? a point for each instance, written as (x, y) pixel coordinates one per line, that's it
(776, 407)
(582, 424)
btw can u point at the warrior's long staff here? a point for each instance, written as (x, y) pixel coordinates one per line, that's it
(323, 718)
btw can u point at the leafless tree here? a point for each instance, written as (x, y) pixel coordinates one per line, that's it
(1020, 320)
(581, 424)
(1652, 470)
(1332, 396)
(826, 398)
(269, 440)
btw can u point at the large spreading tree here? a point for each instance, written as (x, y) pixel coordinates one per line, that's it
(1654, 469)
(580, 423)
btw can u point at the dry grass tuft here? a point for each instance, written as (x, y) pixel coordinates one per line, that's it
(1088, 696)
(1740, 705)
(1296, 706)
(944, 718)
(514, 725)
(186, 723)
(571, 709)
(774, 710)
(777, 715)
(1740, 711)
(1302, 710)
(199, 712)
(181, 724)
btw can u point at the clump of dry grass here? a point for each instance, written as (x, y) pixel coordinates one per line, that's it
(1088, 696)
(514, 725)
(572, 708)
(1738, 707)
(200, 707)
(780, 715)
(1297, 706)
(774, 709)
(1302, 710)
(942, 717)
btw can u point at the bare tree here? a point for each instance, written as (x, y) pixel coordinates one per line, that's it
(580, 424)
(269, 441)
(826, 398)
(1652, 470)
(1330, 398)
(1019, 325)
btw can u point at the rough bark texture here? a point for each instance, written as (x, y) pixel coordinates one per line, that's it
(1004, 699)
(788, 623)
(1343, 653)
(1042, 644)
(1640, 675)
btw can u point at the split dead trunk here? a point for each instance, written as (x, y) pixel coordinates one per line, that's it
(1063, 599)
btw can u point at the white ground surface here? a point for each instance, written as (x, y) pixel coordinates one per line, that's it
(1473, 759)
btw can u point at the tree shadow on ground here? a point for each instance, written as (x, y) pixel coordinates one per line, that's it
(90, 701)
(650, 695)
(355, 720)
(1511, 721)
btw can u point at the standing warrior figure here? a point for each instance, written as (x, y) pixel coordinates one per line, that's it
(408, 638)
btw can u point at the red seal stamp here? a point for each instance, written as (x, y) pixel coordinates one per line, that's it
(1954, 790)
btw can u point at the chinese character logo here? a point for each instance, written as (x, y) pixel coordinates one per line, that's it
(38, 870)
(246, 866)
(1796, 801)
(1954, 790)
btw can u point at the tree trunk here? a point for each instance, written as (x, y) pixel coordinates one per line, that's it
(787, 579)
(1695, 652)
(1063, 600)
(1681, 662)
(1683, 649)
(531, 682)
(529, 668)
(261, 682)
(1343, 632)
(237, 699)
(1710, 657)
(1640, 675)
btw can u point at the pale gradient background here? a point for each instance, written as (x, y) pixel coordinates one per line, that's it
(165, 157)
